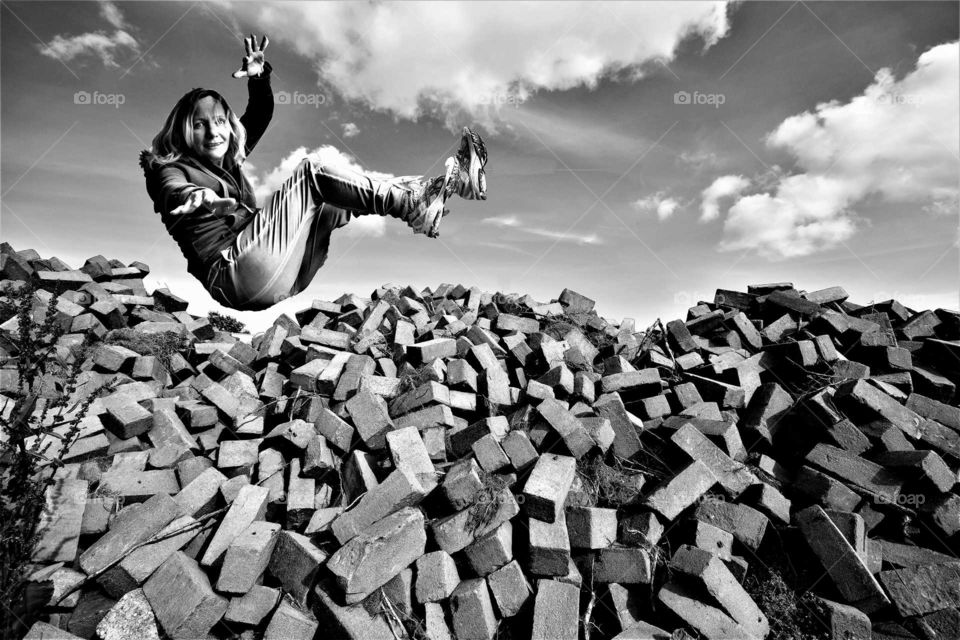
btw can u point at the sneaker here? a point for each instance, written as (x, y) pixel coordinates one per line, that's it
(429, 203)
(471, 181)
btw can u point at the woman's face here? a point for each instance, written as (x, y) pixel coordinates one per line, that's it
(211, 130)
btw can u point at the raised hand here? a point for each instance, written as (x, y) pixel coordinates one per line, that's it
(204, 197)
(253, 61)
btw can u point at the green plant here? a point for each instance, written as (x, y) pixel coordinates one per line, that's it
(28, 463)
(224, 322)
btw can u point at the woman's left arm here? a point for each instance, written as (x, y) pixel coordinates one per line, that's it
(260, 95)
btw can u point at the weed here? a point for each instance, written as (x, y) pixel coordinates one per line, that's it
(224, 322)
(162, 345)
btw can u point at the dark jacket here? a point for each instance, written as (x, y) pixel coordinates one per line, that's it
(202, 235)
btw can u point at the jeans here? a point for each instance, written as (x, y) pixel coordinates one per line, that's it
(278, 252)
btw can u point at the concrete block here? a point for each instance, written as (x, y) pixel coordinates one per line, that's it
(129, 530)
(437, 576)
(399, 490)
(348, 622)
(549, 553)
(556, 611)
(61, 521)
(521, 452)
(622, 565)
(680, 492)
(249, 505)
(472, 611)
(295, 563)
(436, 622)
(370, 417)
(134, 569)
(923, 589)
(492, 551)
(247, 557)
(746, 524)
(546, 489)
(841, 561)
(710, 621)
(181, 597)
(639, 529)
(462, 483)
(591, 527)
(408, 452)
(568, 426)
(710, 571)
(289, 622)
(199, 497)
(732, 475)
(454, 533)
(252, 607)
(378, 554)
(130, 618)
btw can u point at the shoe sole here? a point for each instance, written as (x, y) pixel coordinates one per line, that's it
(476, 166)
(434, 213)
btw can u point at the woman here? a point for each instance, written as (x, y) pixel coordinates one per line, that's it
(250, 258)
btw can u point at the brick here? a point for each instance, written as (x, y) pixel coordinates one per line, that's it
(252, 607)
(746, 524)
(845, 567)
(768, 406)
(556, 611)
(238, 457)
(130, 616)
(492, 551)
(60, 521)
(509, 588)
(568, 426)
(923, 589)
(591, 527)
(301, 496)
(371, 559)
(490, 455)
(626, 442)
(249, 505)
(408, 452)
(547, 486)
(424, 352)
(864, 474)
(462, 438)
(622, 565)
(674, 496)
(399, 490)
(454, 533)
(925, 466)
(472, 611)
(845, 621)
(135, 568)
(710, 621)
(129, 529)
(521, 452)
(437, 577)
(731, 475)
(247, 557)
(295, 563)
(549, 553)
(181, 597)
(824, 490)
(167, 428)
(349, 622)
(126, 419)
(137, 486)
(710, 571)
(639, 529)
(869, 400)
(335, 430)
(290, 623)
(370, 417)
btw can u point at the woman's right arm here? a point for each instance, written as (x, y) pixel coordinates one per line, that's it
(178, 196)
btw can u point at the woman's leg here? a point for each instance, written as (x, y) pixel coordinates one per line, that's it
(280, 250)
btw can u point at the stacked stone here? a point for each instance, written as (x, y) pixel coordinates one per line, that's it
(451, 463)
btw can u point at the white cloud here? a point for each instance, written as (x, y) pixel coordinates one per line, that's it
(111, 13)
(664, 206)
(96, 43)
(514, 223)
(264, 185)
(722, 187)
(414, 58)
(350, 130)
(897, 141)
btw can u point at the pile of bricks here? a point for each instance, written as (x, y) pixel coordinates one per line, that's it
(451, 463)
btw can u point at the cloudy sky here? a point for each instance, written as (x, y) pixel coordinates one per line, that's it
(644, 154)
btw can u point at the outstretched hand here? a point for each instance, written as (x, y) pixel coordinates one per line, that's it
(253, 61)
(204, 197)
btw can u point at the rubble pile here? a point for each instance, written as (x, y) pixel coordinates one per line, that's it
(452, 463)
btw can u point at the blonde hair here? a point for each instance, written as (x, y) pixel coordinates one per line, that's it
(175, 139)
